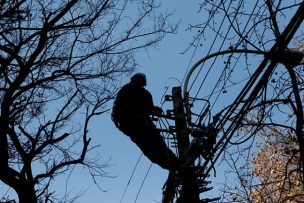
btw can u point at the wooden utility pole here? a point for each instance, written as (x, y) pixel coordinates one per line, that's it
(182, 132)
(189, 181)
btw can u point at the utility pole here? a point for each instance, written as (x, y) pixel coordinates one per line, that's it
(189, 182)
(182, 132)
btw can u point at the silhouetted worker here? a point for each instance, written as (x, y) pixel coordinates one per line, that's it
(131, 114)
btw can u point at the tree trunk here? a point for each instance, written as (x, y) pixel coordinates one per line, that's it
(26, 193)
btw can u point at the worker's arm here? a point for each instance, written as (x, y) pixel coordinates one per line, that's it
(156, 111)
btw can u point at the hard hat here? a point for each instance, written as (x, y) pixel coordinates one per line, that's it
(139, 78)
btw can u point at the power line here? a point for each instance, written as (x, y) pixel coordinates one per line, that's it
(211, 47)
(278, 47)
(129, 181)
(144, 180)
(238, 43)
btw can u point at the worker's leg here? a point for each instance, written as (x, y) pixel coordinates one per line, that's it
(149, 140)
(145, 135)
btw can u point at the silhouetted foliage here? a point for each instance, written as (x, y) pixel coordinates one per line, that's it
(60, 63)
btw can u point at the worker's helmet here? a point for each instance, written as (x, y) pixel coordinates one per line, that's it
(139, 79)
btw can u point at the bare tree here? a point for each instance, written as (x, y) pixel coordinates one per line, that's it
(61, 62)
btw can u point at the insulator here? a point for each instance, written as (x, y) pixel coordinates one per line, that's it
(168, 98)
(169, 112)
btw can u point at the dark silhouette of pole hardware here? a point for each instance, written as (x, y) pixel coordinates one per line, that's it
(191, 181)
